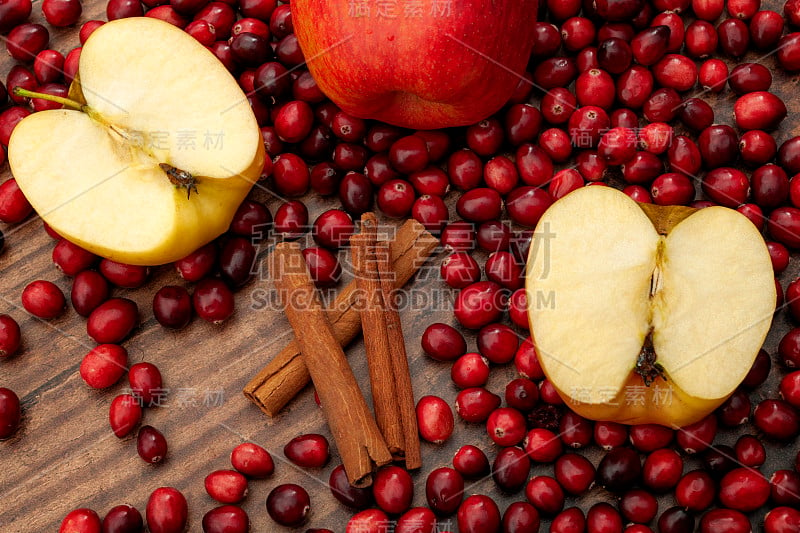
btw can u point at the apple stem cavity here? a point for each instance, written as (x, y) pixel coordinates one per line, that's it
(180, 178)
(646, 365)
(66, 102)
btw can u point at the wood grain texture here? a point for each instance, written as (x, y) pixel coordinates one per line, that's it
(65, 455)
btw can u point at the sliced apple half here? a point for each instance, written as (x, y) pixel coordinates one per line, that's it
(637, 324)
(156, 155)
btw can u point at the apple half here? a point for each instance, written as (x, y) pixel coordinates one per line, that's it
(646, 314)
(155, 155)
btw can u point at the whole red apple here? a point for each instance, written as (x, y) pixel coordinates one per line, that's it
(420, 64)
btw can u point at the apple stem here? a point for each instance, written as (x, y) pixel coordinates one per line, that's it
(66, 102)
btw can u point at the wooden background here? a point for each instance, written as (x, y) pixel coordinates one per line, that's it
(65, 455)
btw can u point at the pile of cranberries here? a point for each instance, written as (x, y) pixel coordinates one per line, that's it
(672, 101)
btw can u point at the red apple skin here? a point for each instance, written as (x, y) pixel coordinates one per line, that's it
(417, 70)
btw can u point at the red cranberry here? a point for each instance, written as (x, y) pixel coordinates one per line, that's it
(675, 71)
(602, 518)
(213, 301)
(638, 505)
(784, 224)
(480, 205)
(104, 365)
(785, 488)
(470, 461)
(724, 520)
(123, 275)
(650, 44)
(226, 486)
(718, 146)
(10, 412)
(766, 28)
(619, 469)
(534, 165)
(197, 264)
(409, 154)
(43, 299)
(124, 414)
(444, 489)
(519, 517)
(393, 489)
(123, 519)
(698, 436)
(288, 505)
(662, 470)
(500, 174)
(333, 228)
(510, 469)
(145, 381)
(167, 511)
(89, 290)
(10, 337)
(27, 40)
(736, 409)
(526, 361)
(545, 494)
(395, 198)
(675, 520)
(478, 514)
(416, 519)
(12, 207)
(727, 186)
(782, 519)
(522, 123)
(113, 320)
(14, 13)
(308, 451)
(347, 494)
(151, 445)
(172, 306)
(757, 147)
(734, 37)
(226, 519)
(323, 266)
(744, 489)
(574, 430)
(610, 435)
(777, 419)
(655, 137)
(719, 460)
(542, 445)
(81, 520)
(443, 342)
(252, 460)
(662, 106)
(485, 137)
(479, 304)
(522, 394)
(431, 181)
(701, 39)
(431, 212)
(506, 426)
(470, 370)
(355, 192)
(71, 259)
(790, 388)
(465, 169)
(574, 472)
(367, 521)
(476, 404)
(118, 9)
(760, 110)
(434, 419)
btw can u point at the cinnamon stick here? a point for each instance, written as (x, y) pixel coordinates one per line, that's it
(358, 439)
(399, 359)
(376, 339)
(286, 374)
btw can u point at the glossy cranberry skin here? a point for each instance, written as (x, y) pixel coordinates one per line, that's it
(124, 414)
(701, 39)
(431, 181)
(719, 460)
(724, 520)
(444, 489)
(734, 37)
(479, 304)
(619, 469)
(478, 514)
(650, 44)
(675, 71)
(237, 260)
(542, 445)
(409, 154)
(13, 14)
(545, 494)
(480, 205)
(475, 404)
(308, 451)
(226, 519)
(782, 519)
(465, 169)
(510, 469)
(662, 106)
(166, 511)
(347, 494)
(766, 28)
(760, 110)
(574, 472)
(71, 259)
(434, 419)
(727, 186)
(784, 224)
(123, 519)
(333, 229)
(777, 419)
(757, 147)
(10, 412)
(609, 435)
(662, 470)
(43, 299)
(744, 489)
(197, 264)
(104, 365)
(288, 505)
(112, 321)
(431, 212)
(443, 342)
(520, 517)
(213, 301)
(123, 275)
(393, 489)
(638, 505)
(470, 370)
(151, 445)
(16, 211)
(470, 462)
(735, 410)
(146, 383)
(10, 337)
(675, 520)
(172, 306)
(81, 520)
(718, 146)
(355, 192)
(27, 40)
(785, 488)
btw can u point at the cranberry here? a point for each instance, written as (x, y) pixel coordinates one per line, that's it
(13, 205)
(701, 39)
(522, 123)
(347, 494)
(444, 489)
(10, 412)
(784, 226)
(526, 361)
(736, 409)
(10, 336)
(662, 106)
(124, 414)
(470, 461)
(470, 370)
(782, 519)
(719, 460)
(409, 154)
(172, 306)
(104, 365)
(542, 445)
(89, 290)
(288, 505)
(465, 169)
(642, 167)
(123, 275)
(662, 470)
(323, 266)
(718, 146)
(166, 511)
(766, 28)
(367, 521)
(81, 520)
(113, 320)
(71, 259)
(333, 228)
(602, 517)
(480, 205)
(519, 517)
(777, 419)
(478, 514)
(619, 469)
(545, 494)
(518, 308)
(724, 520)
(123, 519)
(609, 435)
(655, 137)
(485, 137)
(197, 264)
(698, 436)
(696, 114)
(760, 110)
(534, 164)
(522, 394)
(744, 489)
(757, 147)
(638, 505)
(226, 486)
(458, 236)
(213, 301)
(785, 488)
(510, 469)
(675, 520)
(308, 451)
(431, 181)
(476, 404)
(414, 520)
(226, 519)
(27, 40)
(443, 342)
(574, 472)
(393, 489)
(727, 186)
(431, 212)
(251, 219)
(734, 37)
(790, 388)
(479, 304)
(145, 381)
(434, 419)
(650, 44)
(43, 299)
(675, 71)
(355, 192)
(252, 460)
(151, 445)
(14, 13)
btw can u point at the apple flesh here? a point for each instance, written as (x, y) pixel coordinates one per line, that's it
(434, 65)
(150, 98)
(646, 317)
